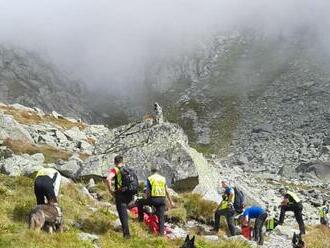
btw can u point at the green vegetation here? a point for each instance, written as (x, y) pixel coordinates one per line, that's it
(17, 200)
(197, 208)
(222, 128)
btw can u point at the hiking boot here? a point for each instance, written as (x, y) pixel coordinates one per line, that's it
(127, 236)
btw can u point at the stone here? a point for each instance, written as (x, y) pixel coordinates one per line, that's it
(56, 115)
(74, 134)
(10, 128)
(21, 165)
(69, 168)
(88, 236)
(268, 128)
(116, 225)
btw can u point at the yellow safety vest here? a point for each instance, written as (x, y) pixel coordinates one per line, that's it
(158, 185)
(224, 203)
(323, 211)
(118, 178)
(46, 172)
(294, 196)
(270, 224)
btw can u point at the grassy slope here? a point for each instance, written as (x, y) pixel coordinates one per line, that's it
(17, 199)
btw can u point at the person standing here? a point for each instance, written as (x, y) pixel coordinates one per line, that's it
(324, 210)
(156, 193)
(226, 208)
(47, 186)
(260, 216)
(158, 113)
(122, 198)
(291, 202)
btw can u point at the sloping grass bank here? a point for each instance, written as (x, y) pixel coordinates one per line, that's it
(17, 199)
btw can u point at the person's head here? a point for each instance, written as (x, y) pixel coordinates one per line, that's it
(282, 191)
(154, 169)
(242, 220)
(119, 160)
(224, 183)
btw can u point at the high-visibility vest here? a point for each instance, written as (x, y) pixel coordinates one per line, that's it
(294, 196)
(224, 203)
(118, 178)
(270, 224)
(158, 185)
(47, 172)
(323, 211)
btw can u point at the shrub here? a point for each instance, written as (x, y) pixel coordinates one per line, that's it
(177, 215)
(199, 208)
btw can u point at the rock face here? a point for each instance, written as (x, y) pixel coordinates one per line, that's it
(164, 145)
(9, 128)
(27, 79)
(239, 97)
(318, 169)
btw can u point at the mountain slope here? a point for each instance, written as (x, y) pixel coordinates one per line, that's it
(28, 79)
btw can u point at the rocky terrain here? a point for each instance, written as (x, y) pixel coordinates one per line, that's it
(261, 102)
(31, 139)
(28, 79)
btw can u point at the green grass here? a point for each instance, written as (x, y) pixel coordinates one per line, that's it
(17, 200)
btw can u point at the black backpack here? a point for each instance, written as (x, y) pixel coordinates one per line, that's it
(239, 202)
(130, 182)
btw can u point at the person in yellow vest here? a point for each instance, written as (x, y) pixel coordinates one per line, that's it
(291, 202)
(47, 185)
(226, 208)
(156, 193)
(324, 210)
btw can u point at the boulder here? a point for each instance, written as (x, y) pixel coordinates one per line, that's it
(10, 128)
(319, 168)
(164, 145)
(69, 168)
(74, 134)
(88, 236)
(22, 165)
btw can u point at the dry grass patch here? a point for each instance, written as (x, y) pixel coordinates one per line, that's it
(318, 237)
(51, 154)
(30, 118)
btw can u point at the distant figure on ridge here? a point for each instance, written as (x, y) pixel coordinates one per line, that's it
(158, 113)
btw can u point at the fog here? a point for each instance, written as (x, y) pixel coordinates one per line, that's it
(109, 43)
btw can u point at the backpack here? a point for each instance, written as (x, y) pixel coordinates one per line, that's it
(130, 182)
(239, 200)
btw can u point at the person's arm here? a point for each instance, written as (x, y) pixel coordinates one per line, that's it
(109, 179)
(231, 198)
(57, 185)
(169, 197)
(285, 201)
(148, 189)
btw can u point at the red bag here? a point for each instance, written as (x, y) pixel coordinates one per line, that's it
(152, 222)
(246, 232)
